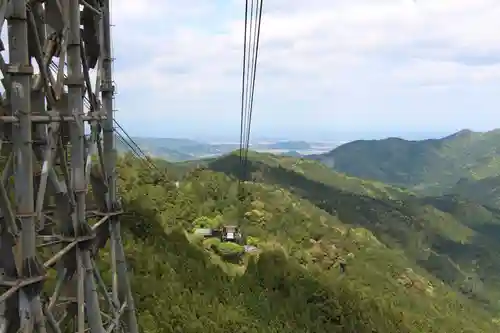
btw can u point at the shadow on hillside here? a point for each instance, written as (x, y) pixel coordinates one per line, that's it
(476, 273)
(470, 266)
(384, 218)
(476, 215)
(483, 247)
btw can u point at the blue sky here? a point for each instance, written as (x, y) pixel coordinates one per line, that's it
(326, 66)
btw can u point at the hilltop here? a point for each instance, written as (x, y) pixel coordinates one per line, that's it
(294, 283)
(290, 145)
(426, 166)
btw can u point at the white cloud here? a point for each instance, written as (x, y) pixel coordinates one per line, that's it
(326, 38)
(182, 59)
(446, 72)
(322, 51)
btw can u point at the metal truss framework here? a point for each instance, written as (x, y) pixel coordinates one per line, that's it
(58, 195)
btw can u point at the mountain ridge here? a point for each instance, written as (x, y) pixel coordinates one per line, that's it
(427, 166)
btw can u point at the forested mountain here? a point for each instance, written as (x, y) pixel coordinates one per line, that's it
(306, 221)
(453, 239)
(427, 166)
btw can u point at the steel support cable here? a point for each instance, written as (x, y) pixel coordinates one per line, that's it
(134, 143)
(250, 56)
(256, 43)
(87, 104)
(254, 37)
(244, 91)
(134, 151)
(249, 68)
(243, 84)
(247, 56)
(124, 141)
(137, 151)
(135, 147)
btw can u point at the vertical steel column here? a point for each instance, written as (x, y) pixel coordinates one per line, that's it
(20, 72)
(75, 107)
(121, 284)
(88, 302)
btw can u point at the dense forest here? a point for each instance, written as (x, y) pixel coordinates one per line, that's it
(335, 253)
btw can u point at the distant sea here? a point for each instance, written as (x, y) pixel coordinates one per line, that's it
(302, 152)
(333, 138)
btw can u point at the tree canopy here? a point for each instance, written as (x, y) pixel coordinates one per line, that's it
(305, 230)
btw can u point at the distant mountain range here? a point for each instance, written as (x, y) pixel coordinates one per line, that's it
(178, 150)
(433, 166)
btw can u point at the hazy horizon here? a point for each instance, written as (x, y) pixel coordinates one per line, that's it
(333, 137)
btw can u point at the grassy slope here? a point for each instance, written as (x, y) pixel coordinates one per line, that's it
(426, 166)
(275, 294)
(440, 238)
(485, 191)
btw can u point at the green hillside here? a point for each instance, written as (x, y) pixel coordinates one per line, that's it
(264, 165)
(294, 284)
(485, 191)
(451, 239)
(426, 166)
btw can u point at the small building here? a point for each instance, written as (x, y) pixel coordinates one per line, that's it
(205, 232)
(250, 248)
(231, 233)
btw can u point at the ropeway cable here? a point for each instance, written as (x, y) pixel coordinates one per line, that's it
(130, 143)
(253, 19)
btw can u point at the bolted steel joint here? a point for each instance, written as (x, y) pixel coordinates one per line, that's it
(20, 69)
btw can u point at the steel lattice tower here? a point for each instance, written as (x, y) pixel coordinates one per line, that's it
(58, 195)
